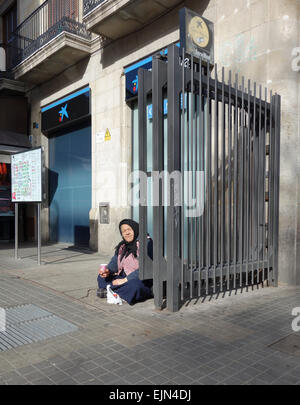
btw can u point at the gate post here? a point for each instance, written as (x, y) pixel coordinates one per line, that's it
(173, 212)
(159, 79)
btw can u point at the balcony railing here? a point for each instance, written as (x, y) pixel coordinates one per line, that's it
(44, 24)
(89, 5)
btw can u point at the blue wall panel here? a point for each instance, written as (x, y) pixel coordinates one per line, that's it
(70, 186)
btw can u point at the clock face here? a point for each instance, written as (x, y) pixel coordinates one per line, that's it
(198, 32)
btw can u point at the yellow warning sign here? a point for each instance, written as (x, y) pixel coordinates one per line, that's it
(107, 135)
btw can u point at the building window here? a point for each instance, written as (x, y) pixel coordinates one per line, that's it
(9, 25)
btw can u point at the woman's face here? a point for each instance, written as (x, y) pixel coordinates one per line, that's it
(127, 233)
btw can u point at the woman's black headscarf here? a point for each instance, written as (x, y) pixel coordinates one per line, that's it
(130, 247)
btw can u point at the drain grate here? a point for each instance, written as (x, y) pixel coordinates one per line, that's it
(289, 344)
(27, 324)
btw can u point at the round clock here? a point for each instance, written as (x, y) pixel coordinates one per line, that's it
(198, 31)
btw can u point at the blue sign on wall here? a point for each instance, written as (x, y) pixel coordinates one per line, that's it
(70, 109)
(131, 73)
(132, 76)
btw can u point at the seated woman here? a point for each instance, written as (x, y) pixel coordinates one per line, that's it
(122, 272)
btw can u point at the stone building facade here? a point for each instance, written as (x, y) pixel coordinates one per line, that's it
(257, 39)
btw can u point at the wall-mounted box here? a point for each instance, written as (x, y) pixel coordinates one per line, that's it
(104, 212)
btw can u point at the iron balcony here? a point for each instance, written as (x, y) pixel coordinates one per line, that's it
(40, 30)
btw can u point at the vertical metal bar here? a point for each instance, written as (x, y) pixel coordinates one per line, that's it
(264, 185)
(195, 195)
(270, 188)
(253, 242)
(190, 164)
(229, 177)
(16, 229)
(39, 232)
(188, 182)
(196, 179)
(222, 182)
(142, 105)
(182, 173)
(196, 176)
(276, 187)
(208, 174)
(248, 185)
(216, 228)
(201, 168)
(259, 188)
(235, 180)
(253, 174)
(145, 85)
(257, 191)
(173, 263)
(158, 74)
(241, 186)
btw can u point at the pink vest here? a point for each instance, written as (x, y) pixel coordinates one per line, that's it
(129, 263)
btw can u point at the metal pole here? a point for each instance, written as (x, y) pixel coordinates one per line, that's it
(174, 163)
(16, 230)
(182, 176)
(39, 233)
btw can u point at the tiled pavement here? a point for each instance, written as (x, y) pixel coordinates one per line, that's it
(228, 340)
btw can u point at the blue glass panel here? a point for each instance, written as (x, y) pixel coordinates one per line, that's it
(70, 186)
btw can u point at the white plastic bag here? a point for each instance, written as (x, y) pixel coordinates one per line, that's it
(113, 297)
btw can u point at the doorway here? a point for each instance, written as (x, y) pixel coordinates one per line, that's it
(70, 186)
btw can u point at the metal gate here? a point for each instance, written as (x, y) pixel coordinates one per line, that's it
(215, 210)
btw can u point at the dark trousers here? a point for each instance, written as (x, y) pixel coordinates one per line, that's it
(132, 291)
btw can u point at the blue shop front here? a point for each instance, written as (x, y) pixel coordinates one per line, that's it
(67, 124)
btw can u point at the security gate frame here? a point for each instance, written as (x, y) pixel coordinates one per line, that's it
(231, 135)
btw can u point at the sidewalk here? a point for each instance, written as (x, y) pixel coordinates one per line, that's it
(239, 338)
(63, 268)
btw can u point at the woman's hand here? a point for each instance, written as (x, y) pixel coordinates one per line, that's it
(119, 281)
(104, 273)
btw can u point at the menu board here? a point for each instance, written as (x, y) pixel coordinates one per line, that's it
(26, 176)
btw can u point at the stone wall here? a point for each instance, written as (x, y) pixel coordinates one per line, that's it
(255, 38)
